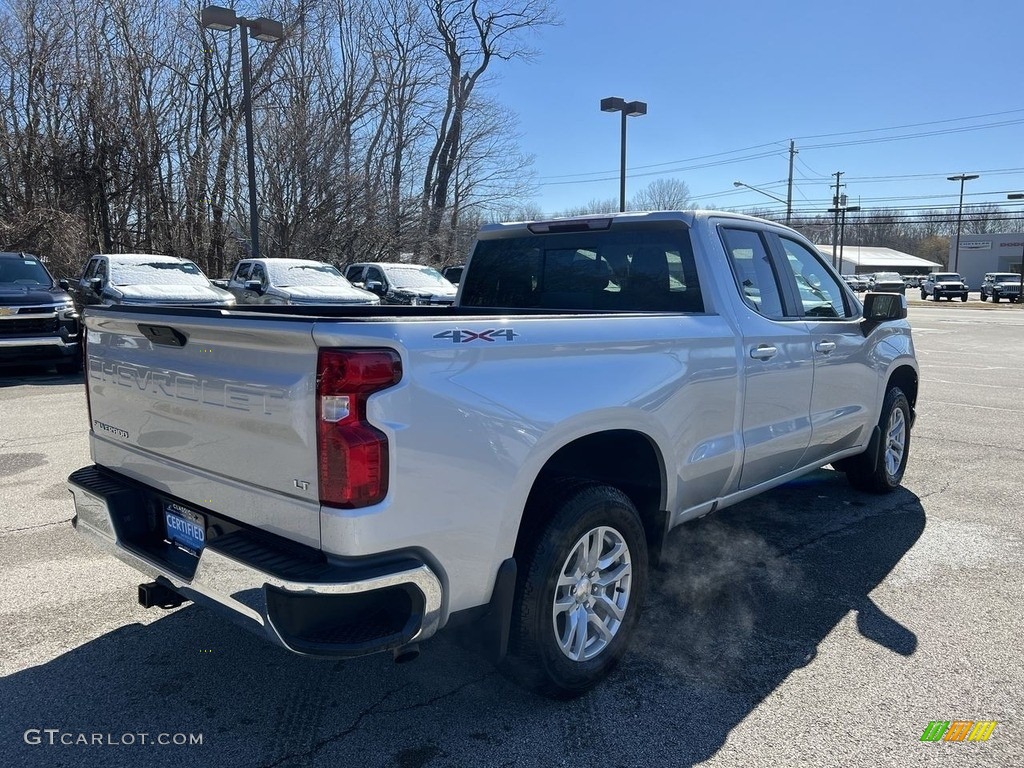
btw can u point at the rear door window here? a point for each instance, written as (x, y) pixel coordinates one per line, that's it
(752, 268)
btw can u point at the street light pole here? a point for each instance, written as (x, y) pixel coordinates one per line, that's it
(1020, 298)
(250, 150)
(840, 213)
(960, 214)
(842, 232)
(222, 19)
(628, 109)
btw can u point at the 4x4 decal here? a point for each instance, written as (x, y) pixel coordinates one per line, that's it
(462, 336)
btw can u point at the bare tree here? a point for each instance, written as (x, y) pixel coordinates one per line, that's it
(662, 195)
(470, 34)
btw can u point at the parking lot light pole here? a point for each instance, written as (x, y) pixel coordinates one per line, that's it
(1019, 196)
(628, 109)
(960, 214)
(269, 31)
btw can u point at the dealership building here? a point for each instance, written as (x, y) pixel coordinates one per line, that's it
(986, 253)
(866, 259)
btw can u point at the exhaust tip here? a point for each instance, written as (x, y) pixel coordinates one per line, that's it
(406, 653)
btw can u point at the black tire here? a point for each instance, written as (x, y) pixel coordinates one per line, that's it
(571, 511)
(995, 298)
(924, 295)
(869, 471)
(963, 297)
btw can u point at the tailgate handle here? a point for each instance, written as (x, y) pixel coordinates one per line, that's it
(164, 335)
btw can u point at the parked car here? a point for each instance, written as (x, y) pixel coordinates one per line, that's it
(857, 282)
(888, 282)
(293, 281)
(453, 274)
(38, 321)
(1001, 285)
(944, 285)
(146, 278)
(673, 369)
(912, 281)
(397, 283)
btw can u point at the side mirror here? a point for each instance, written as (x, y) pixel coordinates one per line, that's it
(63, 283)
(882, 307)
(255, 286)
(375, 286)
(220, 283)
(96, 284)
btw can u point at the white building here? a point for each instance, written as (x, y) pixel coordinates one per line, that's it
(986, 253)
(865, 259)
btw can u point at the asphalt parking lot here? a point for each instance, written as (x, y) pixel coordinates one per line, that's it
(812, 626)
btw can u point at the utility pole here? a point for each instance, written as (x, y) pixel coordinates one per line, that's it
(789, 188)
(835, 209)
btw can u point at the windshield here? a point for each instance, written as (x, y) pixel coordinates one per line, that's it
(413, 276)
(888, 276)
(157, 273)
(24, 272)
(1007, 277)
(286, 275)
(946, 276)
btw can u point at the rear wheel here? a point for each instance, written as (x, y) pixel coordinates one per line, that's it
(581, 585)
(881, 470)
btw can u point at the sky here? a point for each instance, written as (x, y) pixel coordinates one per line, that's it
(728, 84)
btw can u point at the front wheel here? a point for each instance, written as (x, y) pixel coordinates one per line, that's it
(582, 581)
(924, 295)
(995, 298)
(963, 297)
(881, 470)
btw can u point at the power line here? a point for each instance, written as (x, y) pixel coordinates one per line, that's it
(828, 145)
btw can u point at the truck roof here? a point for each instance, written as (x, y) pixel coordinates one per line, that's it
(687, 217)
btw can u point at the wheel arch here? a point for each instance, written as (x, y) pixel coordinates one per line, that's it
(625, 459)
(905, 377)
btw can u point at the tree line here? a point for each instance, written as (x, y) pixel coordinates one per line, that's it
(376, 132)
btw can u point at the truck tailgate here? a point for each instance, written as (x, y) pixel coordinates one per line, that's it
(216, 410)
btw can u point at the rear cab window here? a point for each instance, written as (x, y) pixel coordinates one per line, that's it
(629, 268)
(242, 271)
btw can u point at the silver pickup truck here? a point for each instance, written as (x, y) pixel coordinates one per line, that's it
(352, 480)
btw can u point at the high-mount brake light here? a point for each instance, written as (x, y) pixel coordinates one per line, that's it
(352, 455)
(568, 225)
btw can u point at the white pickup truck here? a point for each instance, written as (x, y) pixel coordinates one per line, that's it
(352, 480)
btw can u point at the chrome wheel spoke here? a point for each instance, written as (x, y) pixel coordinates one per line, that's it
(602, 629)
(612, 610)
(607, 561)
(607, 579)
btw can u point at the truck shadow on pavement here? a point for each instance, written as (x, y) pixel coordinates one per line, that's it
(743, 599)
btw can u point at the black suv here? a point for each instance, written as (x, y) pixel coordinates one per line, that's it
(38, 321)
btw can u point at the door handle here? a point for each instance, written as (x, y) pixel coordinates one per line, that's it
(763, 352)
(826, 346)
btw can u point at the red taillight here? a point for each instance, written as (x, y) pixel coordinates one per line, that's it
(352, 455)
